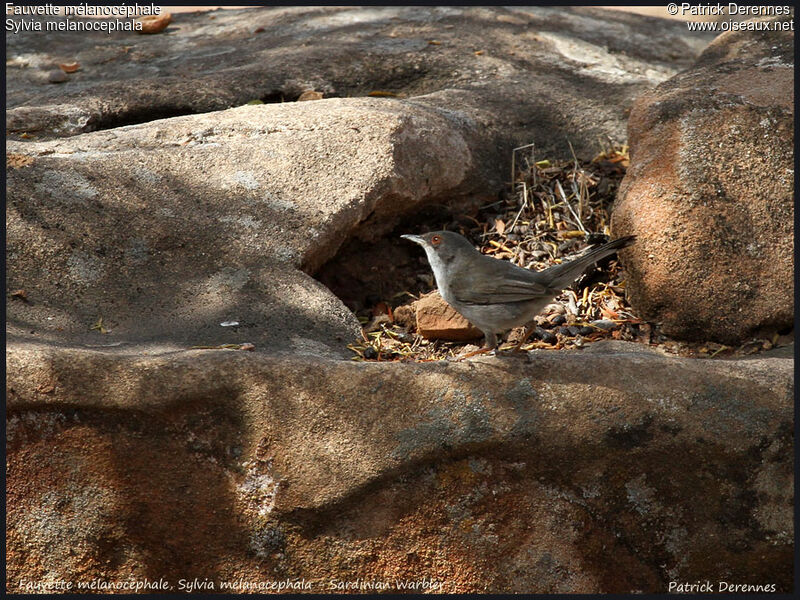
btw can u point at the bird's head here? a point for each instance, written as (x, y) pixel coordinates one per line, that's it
(442, 246)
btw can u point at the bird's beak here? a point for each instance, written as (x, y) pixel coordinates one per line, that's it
(414, 238)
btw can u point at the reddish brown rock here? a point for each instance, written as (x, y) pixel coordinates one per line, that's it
(710, 193)
(437, 320)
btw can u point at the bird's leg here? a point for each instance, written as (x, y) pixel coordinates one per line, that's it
(491, 344)
(528, 331)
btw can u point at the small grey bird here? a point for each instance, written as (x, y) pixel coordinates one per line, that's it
(495, 295)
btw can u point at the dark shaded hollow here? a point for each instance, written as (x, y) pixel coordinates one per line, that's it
(389, 269)
(393, 270)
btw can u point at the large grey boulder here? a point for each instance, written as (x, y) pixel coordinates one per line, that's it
(170, 228)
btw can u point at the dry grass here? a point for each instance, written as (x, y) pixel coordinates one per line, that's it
(552, 213)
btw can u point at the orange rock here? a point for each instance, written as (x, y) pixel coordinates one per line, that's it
(437, 320)
(310, 95)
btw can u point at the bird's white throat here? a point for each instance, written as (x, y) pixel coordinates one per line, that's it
(438, 267)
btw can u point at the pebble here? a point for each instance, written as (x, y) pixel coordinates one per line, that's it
(574, 330)
(558, 320)
(604, 324)
(585, 330)
(57, 76)
(564, 331)
(370, 353)
(548, 337)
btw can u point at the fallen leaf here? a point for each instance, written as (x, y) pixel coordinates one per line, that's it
(381, 308)
(382, 94)
(21, 294)
(499, 226)
(501, 246)
(609, 314)
(98, 326)
(479, 52)
(70, 67)
(155, 23)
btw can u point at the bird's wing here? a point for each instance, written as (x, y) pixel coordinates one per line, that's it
(500, 281)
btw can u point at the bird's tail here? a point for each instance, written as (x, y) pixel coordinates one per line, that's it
(565, 273)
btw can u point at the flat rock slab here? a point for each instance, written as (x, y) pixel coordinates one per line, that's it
(525, 74)
(297, 447)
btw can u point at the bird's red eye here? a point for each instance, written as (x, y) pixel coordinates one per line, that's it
(436, 240)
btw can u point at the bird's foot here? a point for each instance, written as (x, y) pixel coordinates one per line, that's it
(528, 332)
